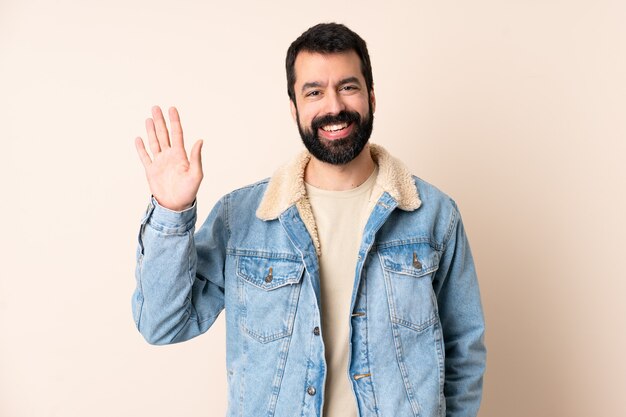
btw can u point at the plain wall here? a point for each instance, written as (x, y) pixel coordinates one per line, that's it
(514, 108)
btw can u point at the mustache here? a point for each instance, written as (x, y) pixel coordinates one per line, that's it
(332, 119)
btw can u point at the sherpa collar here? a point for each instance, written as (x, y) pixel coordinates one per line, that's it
(286, 187)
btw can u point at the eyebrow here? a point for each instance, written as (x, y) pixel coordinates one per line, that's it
(314, 84)
(349, 80)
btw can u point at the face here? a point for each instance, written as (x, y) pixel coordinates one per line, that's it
(333, 109)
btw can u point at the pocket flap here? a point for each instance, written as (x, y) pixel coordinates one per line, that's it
(269, 273)
(415, 259)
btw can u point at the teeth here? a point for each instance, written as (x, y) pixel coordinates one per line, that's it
(333, 128)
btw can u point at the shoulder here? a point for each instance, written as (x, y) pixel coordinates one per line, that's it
(432, 197)
(250, 189)
(441, 208)
(244, 199)
(435, 218)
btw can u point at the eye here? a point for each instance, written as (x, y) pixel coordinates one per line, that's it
(349, 87)
(312, 93)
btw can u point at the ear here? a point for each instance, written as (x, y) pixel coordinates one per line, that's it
(373, 100)
(294, 111)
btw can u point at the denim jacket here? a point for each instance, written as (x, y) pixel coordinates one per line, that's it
(416, 324)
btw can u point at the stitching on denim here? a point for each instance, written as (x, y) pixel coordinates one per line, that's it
(403, 242)
(367, 349)
(253, 185)
(284, 352)
(190, 244)
(266, 338)
(415, 327)
(263, 254)
(404, 372)
(189, 305)
(292, 307)
(441, 364)
(226, 209)
(171, 231)
(418, 327)
(454, 216)
(293, 277)
(408, 272)
(139, 284)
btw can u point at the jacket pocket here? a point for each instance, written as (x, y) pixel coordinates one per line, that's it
(269, 288)
(408, 271)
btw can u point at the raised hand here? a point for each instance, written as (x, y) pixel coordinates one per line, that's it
(173, 179)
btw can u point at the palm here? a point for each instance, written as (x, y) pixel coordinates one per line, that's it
(173, 179)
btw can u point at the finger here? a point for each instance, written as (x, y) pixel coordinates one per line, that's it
(196, 157)
(161, 129)
(177, 129)
(152, 138)
(143, 155)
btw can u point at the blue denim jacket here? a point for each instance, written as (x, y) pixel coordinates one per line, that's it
(416, 325)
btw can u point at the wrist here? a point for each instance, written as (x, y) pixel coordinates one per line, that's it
(173, 207)
(170, 221)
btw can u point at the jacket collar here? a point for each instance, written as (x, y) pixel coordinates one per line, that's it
(286, 188)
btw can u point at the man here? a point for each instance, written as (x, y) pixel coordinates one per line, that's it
(348, 284)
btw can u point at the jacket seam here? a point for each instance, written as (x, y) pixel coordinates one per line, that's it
(453, 222)
(367, 351)
(188, 298)
(226, 209)
(253, 185)
(402, 242)
(171, 231)
(263, 254)
(140, 284)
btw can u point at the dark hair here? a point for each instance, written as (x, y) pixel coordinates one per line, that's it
(327, 38)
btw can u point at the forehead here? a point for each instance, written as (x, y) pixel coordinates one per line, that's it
(318, 67)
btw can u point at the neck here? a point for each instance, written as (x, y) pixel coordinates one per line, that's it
(340, 177)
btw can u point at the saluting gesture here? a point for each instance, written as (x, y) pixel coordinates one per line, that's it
(173, 179)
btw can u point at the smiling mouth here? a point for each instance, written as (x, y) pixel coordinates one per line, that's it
(335, 127)
(336, 130)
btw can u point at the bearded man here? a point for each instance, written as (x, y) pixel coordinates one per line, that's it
(348, 284)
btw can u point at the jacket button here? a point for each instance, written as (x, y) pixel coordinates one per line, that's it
(316, 331)
(311, 390)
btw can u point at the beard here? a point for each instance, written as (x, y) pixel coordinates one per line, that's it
(338, 151)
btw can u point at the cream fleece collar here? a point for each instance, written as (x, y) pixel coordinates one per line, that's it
(286, 187)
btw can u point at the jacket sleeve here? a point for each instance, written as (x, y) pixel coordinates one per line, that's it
(462, 321)
(179, 276)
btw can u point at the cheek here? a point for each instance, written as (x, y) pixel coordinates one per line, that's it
(361, 105)
(306, 117)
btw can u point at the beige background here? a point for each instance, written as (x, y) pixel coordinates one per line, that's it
(515, 108)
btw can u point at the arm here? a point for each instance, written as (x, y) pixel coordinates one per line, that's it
(174, 300)
(180, 277)
(460, 311)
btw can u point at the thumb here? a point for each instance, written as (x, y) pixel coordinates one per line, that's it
(196, 157)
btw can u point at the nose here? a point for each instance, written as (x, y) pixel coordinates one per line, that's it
(334, 103)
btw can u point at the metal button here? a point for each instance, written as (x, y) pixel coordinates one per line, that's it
(270, 276)
(316, 331)
(416, 263)
(311, 390)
